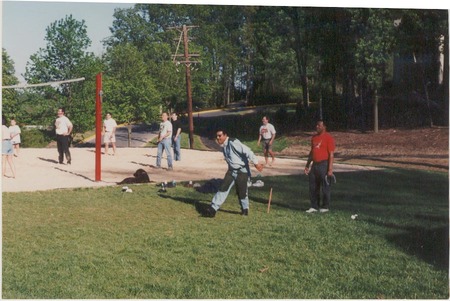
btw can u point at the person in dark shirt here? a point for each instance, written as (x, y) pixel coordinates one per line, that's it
(176, 137)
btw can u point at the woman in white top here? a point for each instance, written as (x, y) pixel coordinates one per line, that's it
(14, 129)
(7, 149)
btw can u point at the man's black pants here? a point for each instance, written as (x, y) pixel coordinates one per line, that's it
(62, 142)
(317, 180)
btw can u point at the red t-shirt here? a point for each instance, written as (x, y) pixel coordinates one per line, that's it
(321, 146)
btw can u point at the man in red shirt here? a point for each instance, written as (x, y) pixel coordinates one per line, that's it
(322, 156)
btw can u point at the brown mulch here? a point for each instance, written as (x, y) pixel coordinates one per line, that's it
(426, 149)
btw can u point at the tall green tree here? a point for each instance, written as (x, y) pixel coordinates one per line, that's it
(129, 90)
(66, 57)
(373, 50)
(276, 54)
(146, 27)
(419, 34)
(299, 40)
(10, 104)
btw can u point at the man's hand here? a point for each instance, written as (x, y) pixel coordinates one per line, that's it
(259, 167)
(307, 170)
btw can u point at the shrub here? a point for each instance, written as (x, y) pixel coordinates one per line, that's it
(36, 138)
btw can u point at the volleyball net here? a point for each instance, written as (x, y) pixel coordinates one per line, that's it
(24, 86)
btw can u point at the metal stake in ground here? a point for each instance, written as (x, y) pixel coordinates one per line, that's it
(270, 200)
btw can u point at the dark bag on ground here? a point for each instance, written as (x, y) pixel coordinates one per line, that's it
(140, 176)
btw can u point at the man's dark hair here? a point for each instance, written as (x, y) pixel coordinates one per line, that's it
(62, 109)
(3, 120)
(222, 130)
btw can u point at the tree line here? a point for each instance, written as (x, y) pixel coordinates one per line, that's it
(358, 68)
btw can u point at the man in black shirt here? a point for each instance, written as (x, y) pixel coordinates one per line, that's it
(176, 137)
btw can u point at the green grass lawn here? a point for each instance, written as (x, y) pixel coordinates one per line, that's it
(103, 243)
(198, 145)
(279, 144)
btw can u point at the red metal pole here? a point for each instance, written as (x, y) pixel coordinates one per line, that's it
(98, 129)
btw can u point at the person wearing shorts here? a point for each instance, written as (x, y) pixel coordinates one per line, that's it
(109, 133)
(7, 149)
(14, 129)
(267, 136)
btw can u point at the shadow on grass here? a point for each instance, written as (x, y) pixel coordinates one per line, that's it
(412, 203)
(411, 206)
(430, 245)
(279, 204)
(386, 159)
(200, 207)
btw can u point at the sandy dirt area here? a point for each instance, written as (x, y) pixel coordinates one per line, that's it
(424, 148)
(38, 169)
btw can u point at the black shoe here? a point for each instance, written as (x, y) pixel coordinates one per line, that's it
(244, 212)
(209, 212)
(69, 162)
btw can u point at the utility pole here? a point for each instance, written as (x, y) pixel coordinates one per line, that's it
(187, 62)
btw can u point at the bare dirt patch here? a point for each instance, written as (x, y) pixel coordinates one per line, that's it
(426, 149)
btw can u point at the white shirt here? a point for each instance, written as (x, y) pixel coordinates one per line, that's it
(6, 134)
(62, 125)
(267, 131)
(164, 128)
(109, 124)
(15, 129)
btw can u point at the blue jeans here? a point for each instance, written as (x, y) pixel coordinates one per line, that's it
(176, 148)
(164, 145)
(232, 177)
(316, 182)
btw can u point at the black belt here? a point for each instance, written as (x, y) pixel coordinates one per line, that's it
(320, 162)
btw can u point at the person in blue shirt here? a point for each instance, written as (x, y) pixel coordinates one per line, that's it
(238, 156)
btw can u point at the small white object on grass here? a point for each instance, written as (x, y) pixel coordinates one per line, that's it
(354, 216)
(124, 188)
(129, 190)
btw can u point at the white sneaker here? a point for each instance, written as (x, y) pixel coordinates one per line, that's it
(258, 183)
(323, 210)
(311, 210)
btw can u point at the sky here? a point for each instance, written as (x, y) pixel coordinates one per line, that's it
(24, 22)
(24, 25)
